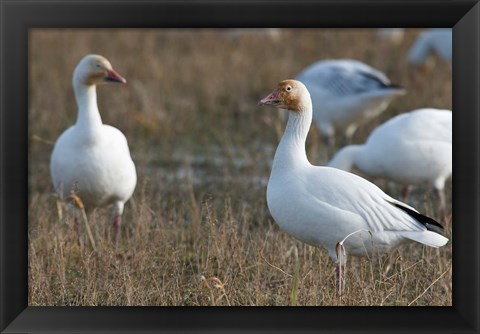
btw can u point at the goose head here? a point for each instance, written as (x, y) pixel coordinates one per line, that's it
(289, 94)
(95, 70)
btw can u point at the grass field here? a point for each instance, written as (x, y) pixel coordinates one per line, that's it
(197, 230)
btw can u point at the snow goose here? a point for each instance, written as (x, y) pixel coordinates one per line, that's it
(324, 206)
(345, 92)
(272, 33)
(90, 158)
(438, 41)
(392, 35)
(411, 148)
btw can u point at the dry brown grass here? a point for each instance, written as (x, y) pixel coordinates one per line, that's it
(197, 230)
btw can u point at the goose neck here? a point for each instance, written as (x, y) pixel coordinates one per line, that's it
(88, 115)
(291, 150)
(347, 158)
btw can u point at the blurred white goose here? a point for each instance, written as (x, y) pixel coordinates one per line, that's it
(272, 33)
(92, 159)
(344, 93)
(392, 35)
(324, 206)
(411, 148)
(438, 41)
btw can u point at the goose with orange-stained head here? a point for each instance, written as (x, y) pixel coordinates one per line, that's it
(330, 208)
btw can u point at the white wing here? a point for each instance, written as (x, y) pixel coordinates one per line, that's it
(418, 125)
(344, 78)
(353, 194)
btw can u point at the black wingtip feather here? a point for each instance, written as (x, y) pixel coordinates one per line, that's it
(429, 223)
(381, 81)
(395, 86)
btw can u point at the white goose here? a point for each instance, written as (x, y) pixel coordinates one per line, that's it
(89, 158)
(324, 206)
(392, 35)
(438, 41)
(411, 148)
(345, 92)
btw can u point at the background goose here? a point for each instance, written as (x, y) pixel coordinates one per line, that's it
(272, 33)
(345, 92)
(92, 159)
(392, 35)
(437, 41)
(328, 207)
(411, 148)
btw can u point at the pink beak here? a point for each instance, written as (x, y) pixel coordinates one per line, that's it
(113, 76)
(271, 98)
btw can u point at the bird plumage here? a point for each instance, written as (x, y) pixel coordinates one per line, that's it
(321, 206)
(92, 159)
(345, 93)
(410, 148)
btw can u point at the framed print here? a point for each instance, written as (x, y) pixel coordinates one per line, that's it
(199, 190)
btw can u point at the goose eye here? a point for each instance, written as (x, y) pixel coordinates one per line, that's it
(97, 66)
(289, 88)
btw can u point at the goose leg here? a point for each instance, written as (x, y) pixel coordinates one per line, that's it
(328, 132)
(341, 261)
(442, 208)
(340, 278)
(329, 140)
(330, 143)
(74, 212)
(117, 222)
(349, 132)
(78, 230)
(77, 210)
(405, 192)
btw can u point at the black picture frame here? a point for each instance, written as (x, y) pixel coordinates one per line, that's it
(18, 16)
